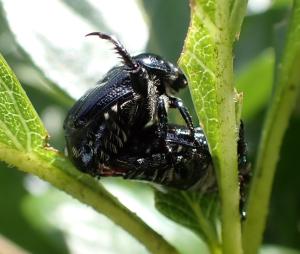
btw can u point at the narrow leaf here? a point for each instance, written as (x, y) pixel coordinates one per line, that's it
(20, 126)
(193, 210)
(208, 63)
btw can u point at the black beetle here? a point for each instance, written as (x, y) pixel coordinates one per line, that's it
(143, 158)
(128, 98)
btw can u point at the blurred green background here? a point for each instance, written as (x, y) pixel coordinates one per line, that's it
(41, 219)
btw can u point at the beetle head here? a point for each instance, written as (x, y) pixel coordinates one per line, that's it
(171, 76)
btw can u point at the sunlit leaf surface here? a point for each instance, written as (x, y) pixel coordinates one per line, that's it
(20, 126)
(199, 62)
(192, 210)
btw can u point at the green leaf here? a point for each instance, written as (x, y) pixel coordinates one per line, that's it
(284, 98)
(208, 63)
(20, 126)
(193, 210)
(199, 65)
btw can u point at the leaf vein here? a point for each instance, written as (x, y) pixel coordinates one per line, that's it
(10, 135)
(206, 20)
(15, 105)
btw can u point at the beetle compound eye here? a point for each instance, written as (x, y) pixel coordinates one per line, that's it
(180, 82)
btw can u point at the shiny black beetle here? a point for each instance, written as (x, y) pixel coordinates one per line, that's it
(128, 98)
(143, 158)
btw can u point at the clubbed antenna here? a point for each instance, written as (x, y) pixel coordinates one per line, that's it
(122, 52)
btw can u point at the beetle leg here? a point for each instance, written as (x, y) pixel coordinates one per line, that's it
(177, 103)
(162, 119)
(244, 178)
(244, 170)
(242, 198)
(163, 128)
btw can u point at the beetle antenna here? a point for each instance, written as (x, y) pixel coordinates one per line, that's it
(127, 59)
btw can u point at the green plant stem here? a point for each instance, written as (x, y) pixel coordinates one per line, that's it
(226, 151)
(55, 169)
(276, 123)
(226, 165)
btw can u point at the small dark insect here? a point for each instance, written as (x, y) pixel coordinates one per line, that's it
(143, 158)
(128, 98)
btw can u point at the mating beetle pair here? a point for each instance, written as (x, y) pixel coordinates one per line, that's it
(120, 127)
(128, 98)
